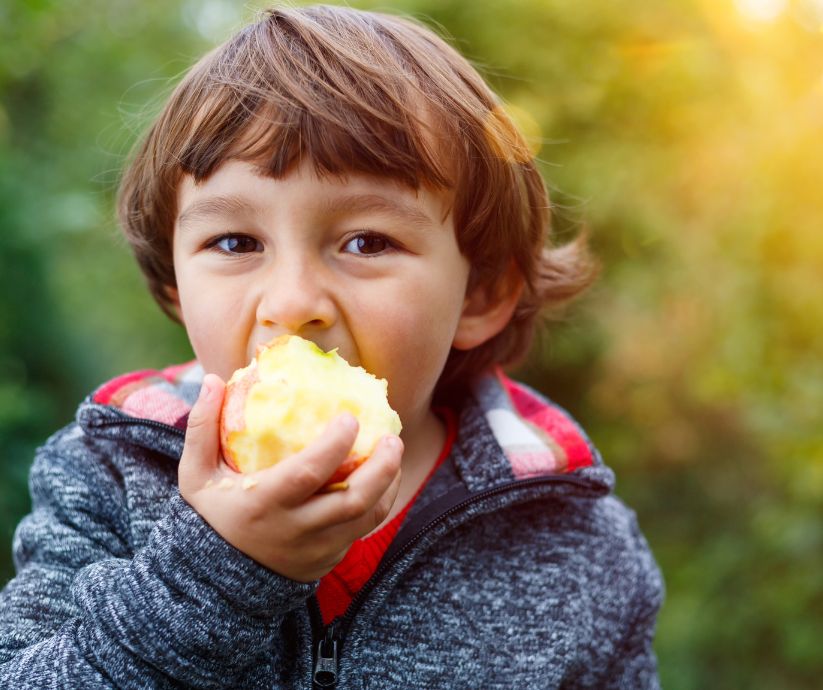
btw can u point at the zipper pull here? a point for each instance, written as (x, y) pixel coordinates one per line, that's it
(325, 670)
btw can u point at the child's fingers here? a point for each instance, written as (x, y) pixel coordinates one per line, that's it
(372, 490)
(302, 475)
(201, 452)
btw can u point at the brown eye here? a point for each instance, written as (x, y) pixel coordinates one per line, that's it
(368, 244)
(237, 244)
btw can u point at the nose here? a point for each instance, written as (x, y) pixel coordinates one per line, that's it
(295, 298)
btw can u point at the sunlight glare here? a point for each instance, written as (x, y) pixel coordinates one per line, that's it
(760, 10)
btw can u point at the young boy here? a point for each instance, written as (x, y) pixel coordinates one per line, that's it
(347, 177)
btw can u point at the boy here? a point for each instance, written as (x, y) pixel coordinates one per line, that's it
(347, 177)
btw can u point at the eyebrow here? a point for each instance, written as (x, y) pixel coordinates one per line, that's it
(227, 205)
(376, 203)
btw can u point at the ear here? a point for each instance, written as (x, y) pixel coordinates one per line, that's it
(487, 310)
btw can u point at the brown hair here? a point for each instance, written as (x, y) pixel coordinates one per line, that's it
(356, 91)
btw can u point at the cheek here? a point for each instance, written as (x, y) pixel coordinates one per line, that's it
(409, 339)
(211, 330)
(417, 318)
(202, 338)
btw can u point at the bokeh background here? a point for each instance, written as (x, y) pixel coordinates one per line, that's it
(685, 135)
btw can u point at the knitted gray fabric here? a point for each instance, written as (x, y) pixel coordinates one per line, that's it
(491, 583)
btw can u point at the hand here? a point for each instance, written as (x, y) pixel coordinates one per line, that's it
(279, 519)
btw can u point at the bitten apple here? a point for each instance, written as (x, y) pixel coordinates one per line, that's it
(284, 399)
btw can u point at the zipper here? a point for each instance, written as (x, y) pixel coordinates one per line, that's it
(329, 643)
(325, 667)
(167, 429)
(139, 422)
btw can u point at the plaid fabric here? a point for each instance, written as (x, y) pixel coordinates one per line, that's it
(536, 437)
(164, 396)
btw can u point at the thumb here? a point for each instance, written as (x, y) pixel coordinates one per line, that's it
(201, 451)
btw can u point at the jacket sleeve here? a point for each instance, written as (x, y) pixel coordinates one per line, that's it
(186, 610)
(635, 664)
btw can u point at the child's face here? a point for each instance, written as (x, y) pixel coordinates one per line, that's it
(364, 265)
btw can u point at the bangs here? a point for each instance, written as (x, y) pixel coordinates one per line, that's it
(259, 102)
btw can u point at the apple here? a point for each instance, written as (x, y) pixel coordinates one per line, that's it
(285, 397)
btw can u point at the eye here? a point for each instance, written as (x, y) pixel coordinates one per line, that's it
(236, 244)
(368, 243)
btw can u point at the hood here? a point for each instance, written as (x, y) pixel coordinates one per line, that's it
(165, 396)
(531, 435)
(149, 408)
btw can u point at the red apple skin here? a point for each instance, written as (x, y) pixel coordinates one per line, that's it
(233, 413)
(338, 479)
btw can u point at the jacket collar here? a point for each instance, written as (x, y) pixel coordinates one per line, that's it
(506, 432)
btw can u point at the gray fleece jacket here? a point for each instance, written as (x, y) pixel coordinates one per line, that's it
(516, 567)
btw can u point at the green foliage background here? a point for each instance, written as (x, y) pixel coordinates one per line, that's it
(685, 135)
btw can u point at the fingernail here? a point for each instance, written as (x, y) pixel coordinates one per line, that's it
(347, 421)
(391, 442)
(205, 391)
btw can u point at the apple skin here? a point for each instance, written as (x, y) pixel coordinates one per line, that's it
(233, 413)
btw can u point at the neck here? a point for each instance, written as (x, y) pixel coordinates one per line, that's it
(423, 443)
